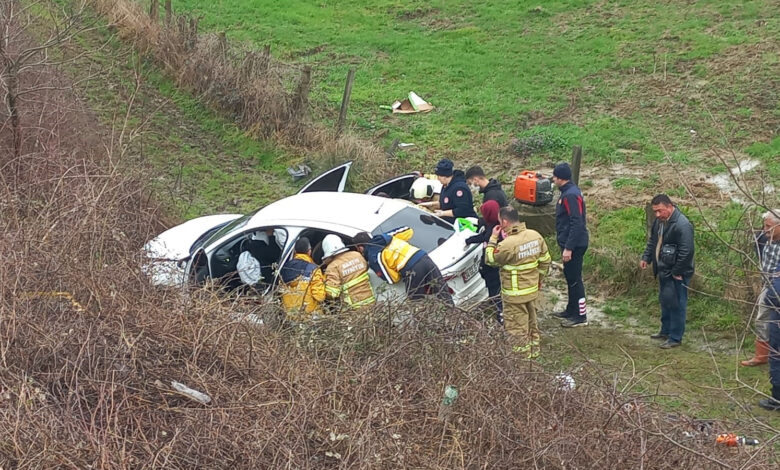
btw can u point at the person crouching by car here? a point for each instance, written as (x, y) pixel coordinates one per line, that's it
(303, 285)
(490, 274)
(393, 258)
(346, 276)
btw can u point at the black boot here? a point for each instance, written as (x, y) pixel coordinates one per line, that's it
(773, 403)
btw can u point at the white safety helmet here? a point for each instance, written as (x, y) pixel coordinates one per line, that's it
(332, 245)
(424, 188)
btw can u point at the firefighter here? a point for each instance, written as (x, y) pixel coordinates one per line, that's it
(346, 276)
(303, 285)
(425, 191)
(524, 261)
(393, 258)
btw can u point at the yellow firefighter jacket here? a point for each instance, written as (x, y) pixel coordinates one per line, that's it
(346, 277)
(302, 287)
(524, 261)
(389, 254)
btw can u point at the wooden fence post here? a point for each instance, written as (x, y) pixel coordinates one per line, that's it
(154, 10)
(345, 100)
(168, 12)
(192, 37)
(223, 45)
(301, 97)
(576, 162)
(265, 59)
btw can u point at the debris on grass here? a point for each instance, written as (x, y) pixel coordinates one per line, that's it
(411, 104)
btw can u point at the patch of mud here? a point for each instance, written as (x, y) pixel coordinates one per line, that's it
(555, 288)
(416, 14)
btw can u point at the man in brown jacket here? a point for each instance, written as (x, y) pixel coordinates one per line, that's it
(524, 261)
(346, 276)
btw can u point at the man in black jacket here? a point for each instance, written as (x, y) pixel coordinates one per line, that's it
(455, 200)
(489, 188)
(572, 237)
(670, 250)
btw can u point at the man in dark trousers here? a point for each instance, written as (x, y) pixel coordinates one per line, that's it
(767, 243)
(455, 200)
(670, 250)
(489, 188)
(572, 237)
(771, 300)
(393, 258)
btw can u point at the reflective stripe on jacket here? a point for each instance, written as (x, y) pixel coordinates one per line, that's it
(524, 261)
(390, 254)
(346, 277)
(302, 287)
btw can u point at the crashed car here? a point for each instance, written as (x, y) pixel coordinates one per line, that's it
(208, 248)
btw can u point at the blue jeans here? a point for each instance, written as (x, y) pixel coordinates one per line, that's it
(773, 325)
(673, 297)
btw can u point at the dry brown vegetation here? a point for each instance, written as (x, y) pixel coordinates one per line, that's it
(267, 98)
(88, 350)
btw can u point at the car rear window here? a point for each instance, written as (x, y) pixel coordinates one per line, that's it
(429, 231)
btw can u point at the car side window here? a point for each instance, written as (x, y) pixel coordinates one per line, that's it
(265, 245)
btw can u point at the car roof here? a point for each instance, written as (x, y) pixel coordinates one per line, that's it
(358, 212)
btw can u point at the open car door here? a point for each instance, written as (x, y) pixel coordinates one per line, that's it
(332, 180)
(395, 188)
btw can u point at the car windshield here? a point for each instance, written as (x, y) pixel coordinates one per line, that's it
(238, 223)
(429, 231)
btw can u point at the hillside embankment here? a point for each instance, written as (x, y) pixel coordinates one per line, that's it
(89, 351)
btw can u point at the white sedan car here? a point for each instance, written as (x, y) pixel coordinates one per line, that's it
(209, 247)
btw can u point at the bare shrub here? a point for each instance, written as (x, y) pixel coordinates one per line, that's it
(89, 350)
(266, 97)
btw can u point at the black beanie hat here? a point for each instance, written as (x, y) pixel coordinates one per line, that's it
(444, 167)
(562, 171)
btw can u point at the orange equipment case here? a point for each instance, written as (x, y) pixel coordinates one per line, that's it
(533, 189)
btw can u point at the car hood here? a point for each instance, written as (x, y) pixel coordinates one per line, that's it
(174, 244)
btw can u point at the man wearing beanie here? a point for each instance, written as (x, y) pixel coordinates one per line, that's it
(455, 200)
(572, 237)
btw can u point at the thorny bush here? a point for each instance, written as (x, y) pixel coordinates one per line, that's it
(89, 349)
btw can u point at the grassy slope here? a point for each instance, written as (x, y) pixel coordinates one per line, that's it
(612, 77)
(182, 138)
(607, 75)
(203, 162)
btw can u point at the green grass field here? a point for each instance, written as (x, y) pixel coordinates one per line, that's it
(605, 75)
(622, 79)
